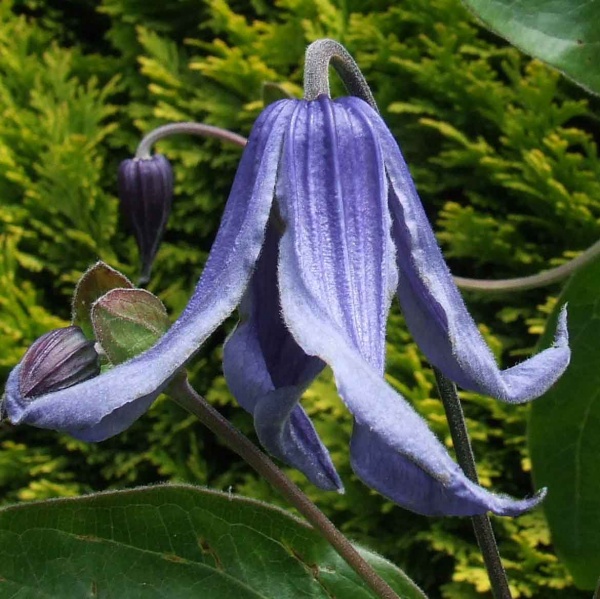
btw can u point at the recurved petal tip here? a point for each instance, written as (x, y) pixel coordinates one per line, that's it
(561, 336)
(533, 377)
(287, 432)
(407, 484)
(507, 506)
(433, 308)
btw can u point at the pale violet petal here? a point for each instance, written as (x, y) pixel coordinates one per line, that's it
(386, 417)
(405, 483)
(268, 372)
(434, 310)
(332, 191)
(104, 406)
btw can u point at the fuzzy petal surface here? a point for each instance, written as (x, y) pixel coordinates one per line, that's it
(338, 192)
(268, 372)
(106, 405)
(336, 279)
(404, 482)
(434, 310)
(332, 191)
(392, 450)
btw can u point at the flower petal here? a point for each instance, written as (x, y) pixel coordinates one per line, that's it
(405, 483)
(434, 309)
(336, 278)
(106, 405)
(393, 450)
(267, 372)
(332, 191)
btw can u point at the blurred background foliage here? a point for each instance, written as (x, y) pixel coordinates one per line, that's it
(503, 151)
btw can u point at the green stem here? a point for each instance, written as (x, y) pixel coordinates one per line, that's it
(181, 392)
(464, 454)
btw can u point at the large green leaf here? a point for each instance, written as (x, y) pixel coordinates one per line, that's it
(564, 436)
(563, 33)
(173, 541)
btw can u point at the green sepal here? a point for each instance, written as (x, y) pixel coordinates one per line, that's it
(95, 282)
(127, 322)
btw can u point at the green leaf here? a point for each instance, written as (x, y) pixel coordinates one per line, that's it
(95, 282)
(173, 541)
(127, 322)
(564, 435)
(563, 33)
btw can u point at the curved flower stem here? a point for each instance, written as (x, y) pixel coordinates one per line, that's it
(182, 392)
(464, 454)
(546, 277)
(143, 149)
(316, 71)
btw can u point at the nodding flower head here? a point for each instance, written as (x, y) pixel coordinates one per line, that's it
(322, 228)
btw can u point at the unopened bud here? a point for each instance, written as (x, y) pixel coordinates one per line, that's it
(57, 360)
(146, 194)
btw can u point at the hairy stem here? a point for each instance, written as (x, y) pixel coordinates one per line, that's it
(144, 147)
(181, 392)
(316, 71)
(464, 454)
(541, 279)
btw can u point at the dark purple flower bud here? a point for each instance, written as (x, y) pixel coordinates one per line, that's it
(57, 360)
(146, 194)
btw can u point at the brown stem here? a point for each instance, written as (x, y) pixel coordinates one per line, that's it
(181, 392)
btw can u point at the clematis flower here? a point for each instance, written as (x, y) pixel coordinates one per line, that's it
(322, 228)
